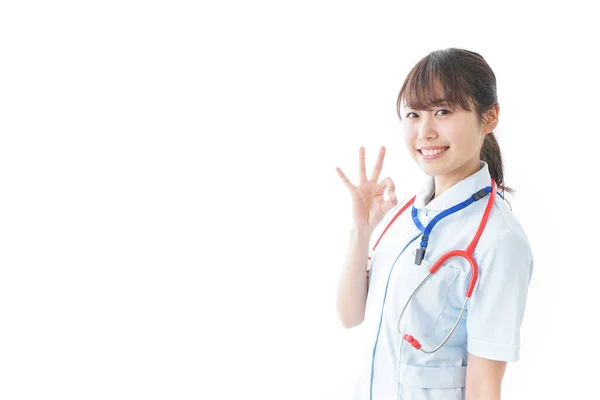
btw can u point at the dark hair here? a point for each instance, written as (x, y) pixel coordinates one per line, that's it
(465, 79)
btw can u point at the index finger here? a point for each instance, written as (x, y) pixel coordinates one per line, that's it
(346, 181)
(378, 165)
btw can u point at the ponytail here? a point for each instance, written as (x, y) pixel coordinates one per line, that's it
(491, 154)
(466, 79)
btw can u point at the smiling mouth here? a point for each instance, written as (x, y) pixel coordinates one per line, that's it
(432, 152)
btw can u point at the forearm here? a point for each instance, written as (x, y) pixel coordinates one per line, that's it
(352, 285)
(484, 378)
(482, 392)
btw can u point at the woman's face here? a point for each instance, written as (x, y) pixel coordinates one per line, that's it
(445, 141)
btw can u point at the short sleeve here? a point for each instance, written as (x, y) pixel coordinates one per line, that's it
(497, 306)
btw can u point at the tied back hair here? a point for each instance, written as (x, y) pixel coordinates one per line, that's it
(466, 81)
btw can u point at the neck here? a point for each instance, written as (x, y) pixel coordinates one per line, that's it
(445, 182)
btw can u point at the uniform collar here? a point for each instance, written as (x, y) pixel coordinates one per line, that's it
(454, 195)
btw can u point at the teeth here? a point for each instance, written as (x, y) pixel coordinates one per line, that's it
(432, 152)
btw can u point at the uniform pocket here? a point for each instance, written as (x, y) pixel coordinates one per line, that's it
(431, 383)
(428, 303)
(432, 377)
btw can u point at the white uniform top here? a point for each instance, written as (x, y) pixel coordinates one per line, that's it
(490, 325)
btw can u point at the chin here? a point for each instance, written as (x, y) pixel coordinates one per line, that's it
(431, 170)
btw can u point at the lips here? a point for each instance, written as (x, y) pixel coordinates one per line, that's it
(432, 151)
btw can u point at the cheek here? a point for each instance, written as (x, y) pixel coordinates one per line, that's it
(468, 142)
(409, 138)
(464, 135)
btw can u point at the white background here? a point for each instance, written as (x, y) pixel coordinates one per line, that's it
(171, 222)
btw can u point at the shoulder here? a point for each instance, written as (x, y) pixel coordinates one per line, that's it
(503, 236)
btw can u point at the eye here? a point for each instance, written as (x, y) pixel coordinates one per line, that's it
(443, 109)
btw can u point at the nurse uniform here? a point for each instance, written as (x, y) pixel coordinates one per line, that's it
(490, 325)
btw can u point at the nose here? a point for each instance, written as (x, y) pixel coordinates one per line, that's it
(426, 129)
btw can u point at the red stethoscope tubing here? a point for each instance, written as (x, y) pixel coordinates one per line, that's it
(467, 253)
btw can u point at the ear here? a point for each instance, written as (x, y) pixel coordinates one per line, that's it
(491, 118)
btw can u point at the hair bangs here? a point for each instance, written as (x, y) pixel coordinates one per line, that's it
(433, 82)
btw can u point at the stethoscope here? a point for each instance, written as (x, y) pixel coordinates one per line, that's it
(467, 254)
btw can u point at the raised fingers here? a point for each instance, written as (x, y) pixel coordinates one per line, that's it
(378, 164)
(362, 169)
(346, 181)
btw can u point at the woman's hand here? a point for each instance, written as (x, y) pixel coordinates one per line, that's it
(369, 207)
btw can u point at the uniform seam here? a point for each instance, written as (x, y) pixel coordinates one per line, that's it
(505, 219)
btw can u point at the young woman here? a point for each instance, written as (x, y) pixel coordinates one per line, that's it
(440, 326)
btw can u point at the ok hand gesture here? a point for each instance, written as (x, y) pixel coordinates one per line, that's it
(369, 206)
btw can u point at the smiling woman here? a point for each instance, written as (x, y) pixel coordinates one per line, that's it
(443, 325)
(449, 101)
(452, 138)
